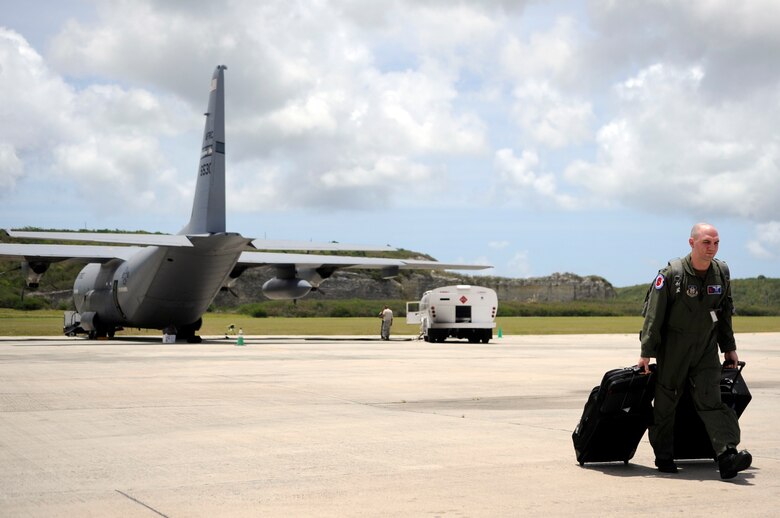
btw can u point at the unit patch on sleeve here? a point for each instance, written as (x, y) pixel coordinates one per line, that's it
(659, 281)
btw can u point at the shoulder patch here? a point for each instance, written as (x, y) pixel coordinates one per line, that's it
(660, 281)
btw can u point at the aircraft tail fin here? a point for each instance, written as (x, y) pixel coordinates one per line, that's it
(208, 208)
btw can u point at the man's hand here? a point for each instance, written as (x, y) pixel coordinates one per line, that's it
(732, 359)
(644, 364)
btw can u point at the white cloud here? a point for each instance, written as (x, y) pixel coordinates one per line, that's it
(110, 108)
(737, 42)
(520, 264)
(260, 187)
(415, 109)
(11, 167)
(520, 178)
(37, 105)
(311, 114)
(546, 55)
(668, 147)
(308, 90)
(549, 118)
(766, 244)
(103, 140)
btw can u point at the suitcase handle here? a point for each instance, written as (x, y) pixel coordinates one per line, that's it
(732, 383)
(652, 368)
(739, 367)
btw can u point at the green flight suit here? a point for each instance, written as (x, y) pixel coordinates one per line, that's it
(684, 326)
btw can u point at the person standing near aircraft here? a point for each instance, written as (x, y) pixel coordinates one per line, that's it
(687, 318)
(387, 321)
(170, 280)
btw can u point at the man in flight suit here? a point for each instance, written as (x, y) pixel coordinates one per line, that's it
(688, 316)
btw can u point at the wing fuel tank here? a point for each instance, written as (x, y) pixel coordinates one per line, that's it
(286, 289)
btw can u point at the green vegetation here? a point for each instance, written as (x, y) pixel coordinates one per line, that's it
(319, 308)
(49, 323)
(759, 296)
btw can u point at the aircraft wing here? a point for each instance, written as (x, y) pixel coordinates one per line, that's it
(314, 261)
(267, 244)
(55, 253)
(184, 240)
(105, 237)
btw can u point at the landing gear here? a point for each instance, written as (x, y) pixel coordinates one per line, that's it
(188, 332)
(101, 332)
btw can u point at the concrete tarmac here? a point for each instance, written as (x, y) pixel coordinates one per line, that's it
(346, 426)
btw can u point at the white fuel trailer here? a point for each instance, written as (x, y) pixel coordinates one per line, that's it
(455, 311)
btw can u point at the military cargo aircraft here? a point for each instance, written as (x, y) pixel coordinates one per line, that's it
(168, 281)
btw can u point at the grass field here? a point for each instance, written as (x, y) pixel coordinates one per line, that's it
(49, 323)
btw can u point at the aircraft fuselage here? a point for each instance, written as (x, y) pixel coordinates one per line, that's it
(158, 286)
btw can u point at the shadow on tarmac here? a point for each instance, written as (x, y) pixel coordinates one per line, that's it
(688, 470)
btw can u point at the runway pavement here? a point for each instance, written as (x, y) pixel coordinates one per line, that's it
(346, 426)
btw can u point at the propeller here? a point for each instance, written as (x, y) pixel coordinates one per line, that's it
(11, 270)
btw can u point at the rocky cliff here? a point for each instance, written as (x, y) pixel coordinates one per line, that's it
(558, 287)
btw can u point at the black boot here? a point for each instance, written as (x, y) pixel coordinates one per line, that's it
(666, 465)
(732, 462)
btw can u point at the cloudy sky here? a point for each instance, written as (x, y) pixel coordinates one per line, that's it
(540, 137)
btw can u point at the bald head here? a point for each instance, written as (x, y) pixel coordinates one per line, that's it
(704, 243)
(698, 228)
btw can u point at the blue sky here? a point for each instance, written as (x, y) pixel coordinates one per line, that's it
(540, 137)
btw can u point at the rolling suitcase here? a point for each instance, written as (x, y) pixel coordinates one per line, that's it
(690, 437)
(615, 416)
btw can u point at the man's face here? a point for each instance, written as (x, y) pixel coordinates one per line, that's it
(705, 246)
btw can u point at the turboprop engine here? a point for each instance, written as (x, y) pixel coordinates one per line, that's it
(33, 271)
